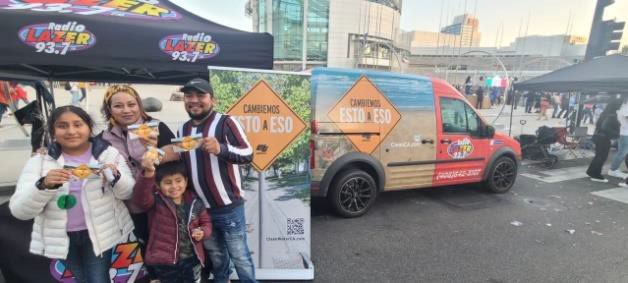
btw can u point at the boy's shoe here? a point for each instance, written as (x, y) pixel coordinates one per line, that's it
(617, 173)
(599, 179)
(623, 185)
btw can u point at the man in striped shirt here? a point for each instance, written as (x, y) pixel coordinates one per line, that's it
(214, 172)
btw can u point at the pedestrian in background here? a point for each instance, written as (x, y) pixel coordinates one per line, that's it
(5, 98)
(622, 143)
(529, 97)
(606, 129)
(479, 93)
(544, 105)
(83, 88)
(18, 94)
(555, 104)
(468, 85)
(564, 106)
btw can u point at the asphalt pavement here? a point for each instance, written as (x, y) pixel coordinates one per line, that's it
(538, 232)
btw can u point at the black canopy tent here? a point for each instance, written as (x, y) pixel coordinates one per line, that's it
(608, 74)
(121, 41)
(605, 74)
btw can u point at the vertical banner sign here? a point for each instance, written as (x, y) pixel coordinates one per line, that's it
(269, 122)
(273, 109)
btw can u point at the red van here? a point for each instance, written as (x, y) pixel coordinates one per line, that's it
(376, 131)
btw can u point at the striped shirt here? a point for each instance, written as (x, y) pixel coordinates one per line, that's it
(216, 178)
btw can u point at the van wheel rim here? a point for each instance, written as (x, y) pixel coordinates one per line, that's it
(504, 175)
(355, 194)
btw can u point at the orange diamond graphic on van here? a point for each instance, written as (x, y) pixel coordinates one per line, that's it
(365, 115)
(270, 124)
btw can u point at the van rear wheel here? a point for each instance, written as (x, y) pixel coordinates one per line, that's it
(352, 193)
(502, 175)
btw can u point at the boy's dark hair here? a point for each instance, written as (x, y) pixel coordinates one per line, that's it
(169, 169)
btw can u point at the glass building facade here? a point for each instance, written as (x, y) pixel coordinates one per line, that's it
(285, 22)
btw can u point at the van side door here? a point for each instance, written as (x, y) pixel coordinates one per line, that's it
(409, 150)
(461, 148)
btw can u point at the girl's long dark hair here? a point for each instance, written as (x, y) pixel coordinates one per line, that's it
(54, 116)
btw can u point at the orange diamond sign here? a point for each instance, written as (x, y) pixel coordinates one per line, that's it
(365, 115)
(269, 123)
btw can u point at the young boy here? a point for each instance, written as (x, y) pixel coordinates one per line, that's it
(178, 222)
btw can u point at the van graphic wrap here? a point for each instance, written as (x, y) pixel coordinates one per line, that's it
(367, 106)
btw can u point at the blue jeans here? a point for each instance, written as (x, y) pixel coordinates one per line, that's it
(228, 243)
(622, 151)
(84, 264)
(186, 271)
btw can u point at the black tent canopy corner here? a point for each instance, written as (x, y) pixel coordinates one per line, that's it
(121, 41)
(604, 74)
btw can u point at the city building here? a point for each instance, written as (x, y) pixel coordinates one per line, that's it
(551, 45)
(624, 50)
(462, 34)
(339, 33)
(467, 27)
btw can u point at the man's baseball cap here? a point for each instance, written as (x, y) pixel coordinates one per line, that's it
(198, 84)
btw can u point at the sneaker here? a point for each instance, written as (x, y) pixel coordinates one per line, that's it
(617, 173)
(623, 185)
(600, 180)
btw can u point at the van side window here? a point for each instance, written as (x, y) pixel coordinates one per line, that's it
(453, 115)
(473, 121)
(457, 117)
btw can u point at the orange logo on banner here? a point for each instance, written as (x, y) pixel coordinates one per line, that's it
(269, 123)
(362, 112)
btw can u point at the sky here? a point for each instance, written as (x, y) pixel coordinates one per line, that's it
(545, 17)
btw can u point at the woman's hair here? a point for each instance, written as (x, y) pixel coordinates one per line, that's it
(54, 116)
(106, 105)
(468, 80)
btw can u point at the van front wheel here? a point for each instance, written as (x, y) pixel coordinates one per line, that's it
(502, 175)
(353, 192)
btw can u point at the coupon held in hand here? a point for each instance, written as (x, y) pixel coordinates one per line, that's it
(187, 143)
(144, 131)
(83, 171)
(154, 154)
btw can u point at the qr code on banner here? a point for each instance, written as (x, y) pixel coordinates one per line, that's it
(295, 226)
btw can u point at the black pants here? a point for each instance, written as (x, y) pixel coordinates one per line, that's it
(185, 271)
(529, 104)
(478, 104)
(602, 146)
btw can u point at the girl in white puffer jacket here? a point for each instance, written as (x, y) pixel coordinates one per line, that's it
(79, 214)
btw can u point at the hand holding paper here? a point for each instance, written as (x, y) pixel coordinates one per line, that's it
(211, 145)
(187, 143)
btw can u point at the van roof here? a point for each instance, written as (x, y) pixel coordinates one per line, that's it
(339, 71)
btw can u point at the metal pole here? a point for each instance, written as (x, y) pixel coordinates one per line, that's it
(304, 53)
(261, 181)
(512, 107)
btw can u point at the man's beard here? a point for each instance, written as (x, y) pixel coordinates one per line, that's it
(201, 115)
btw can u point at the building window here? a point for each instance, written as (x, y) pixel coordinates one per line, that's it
(288, 29)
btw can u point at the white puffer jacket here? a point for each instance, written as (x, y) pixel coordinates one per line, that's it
(106, 216)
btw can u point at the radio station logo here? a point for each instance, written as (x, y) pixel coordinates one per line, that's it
(57, 38)
(189, 47)
(460, 149)
(132, 9)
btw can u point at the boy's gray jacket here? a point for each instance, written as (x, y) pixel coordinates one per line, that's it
(106, 216)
